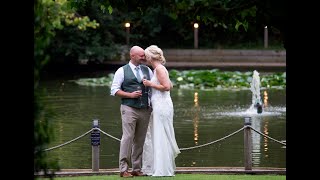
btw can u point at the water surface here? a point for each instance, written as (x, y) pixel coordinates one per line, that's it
(201, 116)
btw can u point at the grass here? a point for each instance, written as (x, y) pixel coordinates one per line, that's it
(177, 177)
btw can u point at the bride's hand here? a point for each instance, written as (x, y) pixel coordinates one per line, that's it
(146, 82)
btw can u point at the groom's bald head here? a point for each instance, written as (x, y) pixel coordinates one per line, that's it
(137, 55)
(136, 49)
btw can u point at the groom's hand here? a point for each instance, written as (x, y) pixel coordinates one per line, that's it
(136, 94)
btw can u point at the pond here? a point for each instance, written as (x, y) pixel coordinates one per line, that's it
(201, 117)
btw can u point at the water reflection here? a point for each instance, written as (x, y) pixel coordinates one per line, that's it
(256, 138)
(265, 139)
(196, 118)
(265, 99)
(256, 153)
(220, 113)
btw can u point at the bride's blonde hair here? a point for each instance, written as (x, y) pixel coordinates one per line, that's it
(155, 53)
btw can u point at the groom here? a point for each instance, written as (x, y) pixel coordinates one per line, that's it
(135, 110)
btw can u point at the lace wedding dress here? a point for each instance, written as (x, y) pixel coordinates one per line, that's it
(160, 147)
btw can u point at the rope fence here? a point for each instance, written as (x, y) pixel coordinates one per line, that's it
(182, 149)
(95, 141)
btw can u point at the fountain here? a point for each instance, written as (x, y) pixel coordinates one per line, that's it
(255, 89)
(258, 105)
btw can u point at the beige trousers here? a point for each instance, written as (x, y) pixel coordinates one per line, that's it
(135, 123)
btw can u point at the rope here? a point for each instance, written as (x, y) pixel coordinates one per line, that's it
(81, 137)
(108, 134)
(69, 141)
(182, 149)
(268, 136)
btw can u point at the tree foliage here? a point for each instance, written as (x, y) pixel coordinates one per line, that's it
(94, 29)
(169, 24)
(49, 15)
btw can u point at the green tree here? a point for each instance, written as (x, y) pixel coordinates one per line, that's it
(169, 24)
(48, 17)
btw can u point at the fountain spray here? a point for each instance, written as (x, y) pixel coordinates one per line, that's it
(255, 88)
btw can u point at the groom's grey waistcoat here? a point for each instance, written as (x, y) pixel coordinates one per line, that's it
(130, 84)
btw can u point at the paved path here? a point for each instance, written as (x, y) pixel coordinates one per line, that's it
(180, 170)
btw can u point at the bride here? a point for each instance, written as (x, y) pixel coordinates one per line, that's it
(160, 147)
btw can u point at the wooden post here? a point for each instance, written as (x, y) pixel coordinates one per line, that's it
(247, 145)
(127, 35)
(196, 26)
(127, 25)
(95, 143)
(265, 37)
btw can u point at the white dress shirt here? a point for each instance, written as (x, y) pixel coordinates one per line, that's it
(119, 78)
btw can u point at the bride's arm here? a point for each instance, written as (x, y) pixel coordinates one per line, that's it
(162, 76)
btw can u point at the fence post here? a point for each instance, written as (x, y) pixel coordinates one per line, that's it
(95, 143)
(196, 26)
(247, 144)
(127, 25)
(265, 37)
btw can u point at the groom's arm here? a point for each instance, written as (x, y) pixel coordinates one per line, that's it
(123, 94)
(116, 86)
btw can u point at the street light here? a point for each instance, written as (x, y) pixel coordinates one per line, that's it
(127, 25)
(196, 26)
(265, 37)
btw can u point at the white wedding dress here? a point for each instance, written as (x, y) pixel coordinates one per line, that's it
(160, 147)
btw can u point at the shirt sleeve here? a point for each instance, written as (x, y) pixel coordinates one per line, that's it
(117, 81)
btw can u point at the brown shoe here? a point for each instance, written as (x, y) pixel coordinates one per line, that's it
(125, 174)
(137, 173)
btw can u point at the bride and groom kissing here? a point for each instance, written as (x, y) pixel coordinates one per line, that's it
(148, 140)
